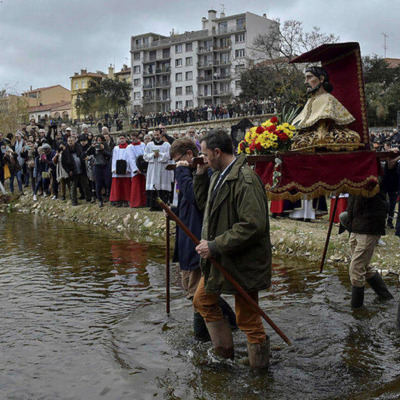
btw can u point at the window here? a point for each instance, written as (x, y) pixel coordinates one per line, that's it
(178, 62)
(138, 42)
(153, 55)
(165, 53)
(241, 23)
(178, 91)
(239, 53)
(83, 84)
(178, 48)
(136, 95)
(189, 46)
(189, 103)
(189, 61)
(76, 86)
(223, 27)
(237, 85)
(136, 69)
(178, 77)
(178, 104)
(239, 38)
(189, 76)
(189, 90)
(136, 82)
(136, 56)
(239, 68)
(145, 41)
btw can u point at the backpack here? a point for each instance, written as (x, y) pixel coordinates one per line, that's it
(141, 164)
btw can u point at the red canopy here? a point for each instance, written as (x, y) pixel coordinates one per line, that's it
(342, 61)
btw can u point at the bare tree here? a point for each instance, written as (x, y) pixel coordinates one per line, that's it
(278, 47)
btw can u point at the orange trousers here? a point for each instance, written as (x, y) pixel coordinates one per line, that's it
(248, 320)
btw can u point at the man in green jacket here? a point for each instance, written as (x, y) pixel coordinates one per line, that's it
(236, 233)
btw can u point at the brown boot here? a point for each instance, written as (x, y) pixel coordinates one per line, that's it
(259, 354)
(221, 337)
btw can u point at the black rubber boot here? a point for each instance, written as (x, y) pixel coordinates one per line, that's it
(228, 312)
(357, 297)
(379, 287)
(200, 329)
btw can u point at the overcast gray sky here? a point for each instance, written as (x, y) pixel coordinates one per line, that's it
(43, 42)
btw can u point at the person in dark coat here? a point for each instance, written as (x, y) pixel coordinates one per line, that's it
(235, 232)
(366, 223)
(182, 151)
(74, 166)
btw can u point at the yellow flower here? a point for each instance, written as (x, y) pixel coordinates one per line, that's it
(247, 150)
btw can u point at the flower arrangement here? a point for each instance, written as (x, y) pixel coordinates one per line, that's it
(270, 136)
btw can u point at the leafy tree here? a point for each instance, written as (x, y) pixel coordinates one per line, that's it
(382, 88)
(108, 95)
(276, 77)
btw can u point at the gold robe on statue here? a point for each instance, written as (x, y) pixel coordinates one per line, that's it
(323, 123)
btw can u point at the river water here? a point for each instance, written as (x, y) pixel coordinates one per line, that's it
(82, 316)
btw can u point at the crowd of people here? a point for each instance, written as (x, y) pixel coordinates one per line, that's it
(383, 140)
(62, 163)
(205, 113)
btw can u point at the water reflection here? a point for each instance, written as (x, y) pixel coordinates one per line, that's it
(83, 317)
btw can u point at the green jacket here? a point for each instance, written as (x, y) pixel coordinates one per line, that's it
(237, 229)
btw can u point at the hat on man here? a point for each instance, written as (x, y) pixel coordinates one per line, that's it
(46, 146)
(82, 138)
(68, 129)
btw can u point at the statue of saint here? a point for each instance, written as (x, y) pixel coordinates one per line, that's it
(323, 123)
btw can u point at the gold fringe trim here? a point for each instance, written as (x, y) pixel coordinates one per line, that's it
(323, 189)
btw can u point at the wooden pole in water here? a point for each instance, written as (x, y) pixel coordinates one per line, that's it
(321, 267)
(249, 300)
(167, 258)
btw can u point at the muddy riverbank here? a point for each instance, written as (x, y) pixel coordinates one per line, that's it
(289, 238)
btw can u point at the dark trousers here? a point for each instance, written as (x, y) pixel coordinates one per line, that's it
(84, 182)
(2, 174)
(40, 182)
(31, 178)
(102, 177)
(18, 175)
(392, 205)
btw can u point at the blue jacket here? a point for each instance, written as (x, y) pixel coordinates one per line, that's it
(191, 216)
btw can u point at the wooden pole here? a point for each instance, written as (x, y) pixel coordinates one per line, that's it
(167, 264)
(249, 300)
(321, 267)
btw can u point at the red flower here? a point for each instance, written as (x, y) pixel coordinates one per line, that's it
(274, 120)
(282, 136)
(241, 146)
(272, 128)
(252, 146)
(258, 146)
(260, 129)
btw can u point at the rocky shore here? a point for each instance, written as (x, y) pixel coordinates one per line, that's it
(301, 240)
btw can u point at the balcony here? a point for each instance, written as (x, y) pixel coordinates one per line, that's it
(149, 86)
(163, 71)
(148, 99)
(205, 95)
(160, 99)
(147, 60)
(148, 73)
(222, 63)
(228, 31)
(220, 49)
(205, 64)
(163, 84)
(221, 93)
(218, 77)
(203, 79)
(203, 50)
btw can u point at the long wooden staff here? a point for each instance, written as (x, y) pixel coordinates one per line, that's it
(249, 300)
(321, 266)
(167, 258)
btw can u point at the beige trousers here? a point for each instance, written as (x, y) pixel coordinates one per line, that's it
(362, 248)
(190, 281)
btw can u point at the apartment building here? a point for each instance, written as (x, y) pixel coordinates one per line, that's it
(195, 68)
